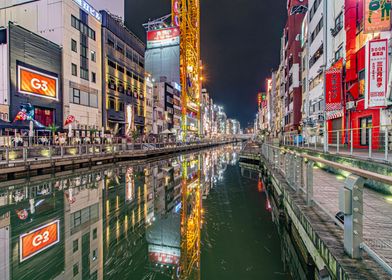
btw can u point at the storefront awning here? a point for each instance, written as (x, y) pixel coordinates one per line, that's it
(334, 115)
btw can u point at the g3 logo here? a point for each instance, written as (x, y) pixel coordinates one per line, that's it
(39, 84)
(41, 238)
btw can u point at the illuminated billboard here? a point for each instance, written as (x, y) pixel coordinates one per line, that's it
(37, 83)
(376, 80)
(38, 240)
(377, 15)
(163, 37)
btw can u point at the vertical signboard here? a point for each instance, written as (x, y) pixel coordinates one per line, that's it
(333, 86)
(176, 13)
(376, 83)
(377, 15)
(39, 240)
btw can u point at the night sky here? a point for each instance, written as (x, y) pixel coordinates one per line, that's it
(240, 41)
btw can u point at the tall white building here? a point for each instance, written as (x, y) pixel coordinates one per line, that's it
(76, 26)
(322, 48)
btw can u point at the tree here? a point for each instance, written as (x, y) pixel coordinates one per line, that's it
(52, 128)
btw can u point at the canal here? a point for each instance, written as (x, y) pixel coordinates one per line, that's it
(192, 216)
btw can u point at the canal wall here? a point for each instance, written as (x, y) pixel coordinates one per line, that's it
(41, 166)
(316, 237)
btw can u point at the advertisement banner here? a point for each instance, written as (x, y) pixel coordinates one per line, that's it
(376, 78)
(36, 83)
(163, 37)
(333, 88)
(377, 15)
(39, 240)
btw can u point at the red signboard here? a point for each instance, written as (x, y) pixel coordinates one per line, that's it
(376, 73)
(333, 85)
(163, 37)
(39, 240)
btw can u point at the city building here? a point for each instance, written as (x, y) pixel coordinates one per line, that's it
(149, 104)
(123, 83)
(76, 27)
(30, 79)
(296, 10)
(367, 97)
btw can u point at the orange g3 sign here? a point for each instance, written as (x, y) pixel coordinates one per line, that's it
(37, 83)
(39, 240)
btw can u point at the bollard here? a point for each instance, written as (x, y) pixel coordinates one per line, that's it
(351, 204)
(309, 183)
(80, 149)
(24, 154)
(62, 151)
(370, 143)
(337, 141)
(386, 144)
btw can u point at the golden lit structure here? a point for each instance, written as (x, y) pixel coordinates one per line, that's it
(186, 15)
(190, 219)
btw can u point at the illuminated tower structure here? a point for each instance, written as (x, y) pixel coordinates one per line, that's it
(186, 15)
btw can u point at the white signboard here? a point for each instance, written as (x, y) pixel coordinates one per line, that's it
(89, 9)
(376, 83)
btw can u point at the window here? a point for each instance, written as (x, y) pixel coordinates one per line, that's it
(74, 69)
(361, 80)
(84, 100)
(120, 48)
(120, 68)
(82, 27)
(75, 269)
(84, 74)
(83, 51)
(93, 56)
(76, 219)
(365, 124)
(110, 42)
(95, 255)
(339, 53)
(112, 103)
(112, 64)
(93, 77)
(316, 30)
(75, 245)
(93, 100)
(338, 24)
(316, 56)
(121, 106)
(74, 45)
(95, 233)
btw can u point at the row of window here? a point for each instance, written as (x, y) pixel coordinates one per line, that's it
(316, 56)
(84, 73)
(316, 81)
(83, 98)
(131, 55)
(316, 30)
(83, 28)
(314, 8)
(123, 70)
(83, 50)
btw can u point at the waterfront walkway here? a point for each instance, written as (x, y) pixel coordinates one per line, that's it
(291, 171)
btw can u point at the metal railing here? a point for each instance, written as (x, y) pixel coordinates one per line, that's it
(367, 221)
(368, 142)
(10, 155)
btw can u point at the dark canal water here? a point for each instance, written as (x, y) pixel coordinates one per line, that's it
(192, 216)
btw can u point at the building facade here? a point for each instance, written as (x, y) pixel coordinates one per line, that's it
(76, 28)
(32, 83)
(123, 82)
